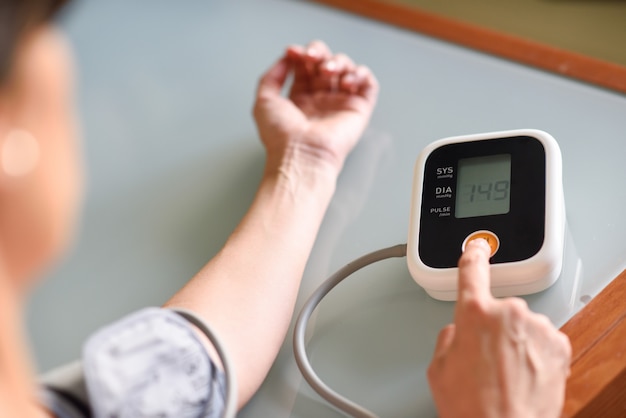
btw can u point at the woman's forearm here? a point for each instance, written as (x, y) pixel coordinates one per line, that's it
(248, 291)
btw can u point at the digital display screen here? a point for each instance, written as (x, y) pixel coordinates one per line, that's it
(483, 186)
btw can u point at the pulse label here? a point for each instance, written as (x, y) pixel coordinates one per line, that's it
(441, 211)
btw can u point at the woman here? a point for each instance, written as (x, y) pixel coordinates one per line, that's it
(247, 292)
(246, 286)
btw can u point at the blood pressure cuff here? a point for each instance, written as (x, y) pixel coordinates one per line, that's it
(149, 364)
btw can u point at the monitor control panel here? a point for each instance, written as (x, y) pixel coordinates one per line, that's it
(504, 187)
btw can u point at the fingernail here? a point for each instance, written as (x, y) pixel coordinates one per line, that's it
(330, 65)
(480, 242)
(312, 53)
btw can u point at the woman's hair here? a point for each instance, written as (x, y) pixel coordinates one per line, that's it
(17, 19)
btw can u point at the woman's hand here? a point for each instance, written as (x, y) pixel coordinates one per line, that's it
(498, 359)
(328, 106)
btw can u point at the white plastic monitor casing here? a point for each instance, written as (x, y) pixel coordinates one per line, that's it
(528, 276)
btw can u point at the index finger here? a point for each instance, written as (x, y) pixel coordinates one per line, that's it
(273, 80)
(474, 275)
(305, 60)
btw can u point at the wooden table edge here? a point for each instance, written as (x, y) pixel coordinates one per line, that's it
(567, 63)
(597, 385)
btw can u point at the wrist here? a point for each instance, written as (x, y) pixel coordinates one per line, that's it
(304, 165)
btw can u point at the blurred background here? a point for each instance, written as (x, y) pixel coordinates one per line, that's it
(595, 28)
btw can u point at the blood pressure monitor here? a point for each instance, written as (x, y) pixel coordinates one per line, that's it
(505, 187)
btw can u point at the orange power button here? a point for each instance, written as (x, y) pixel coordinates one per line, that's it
(490, 237)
